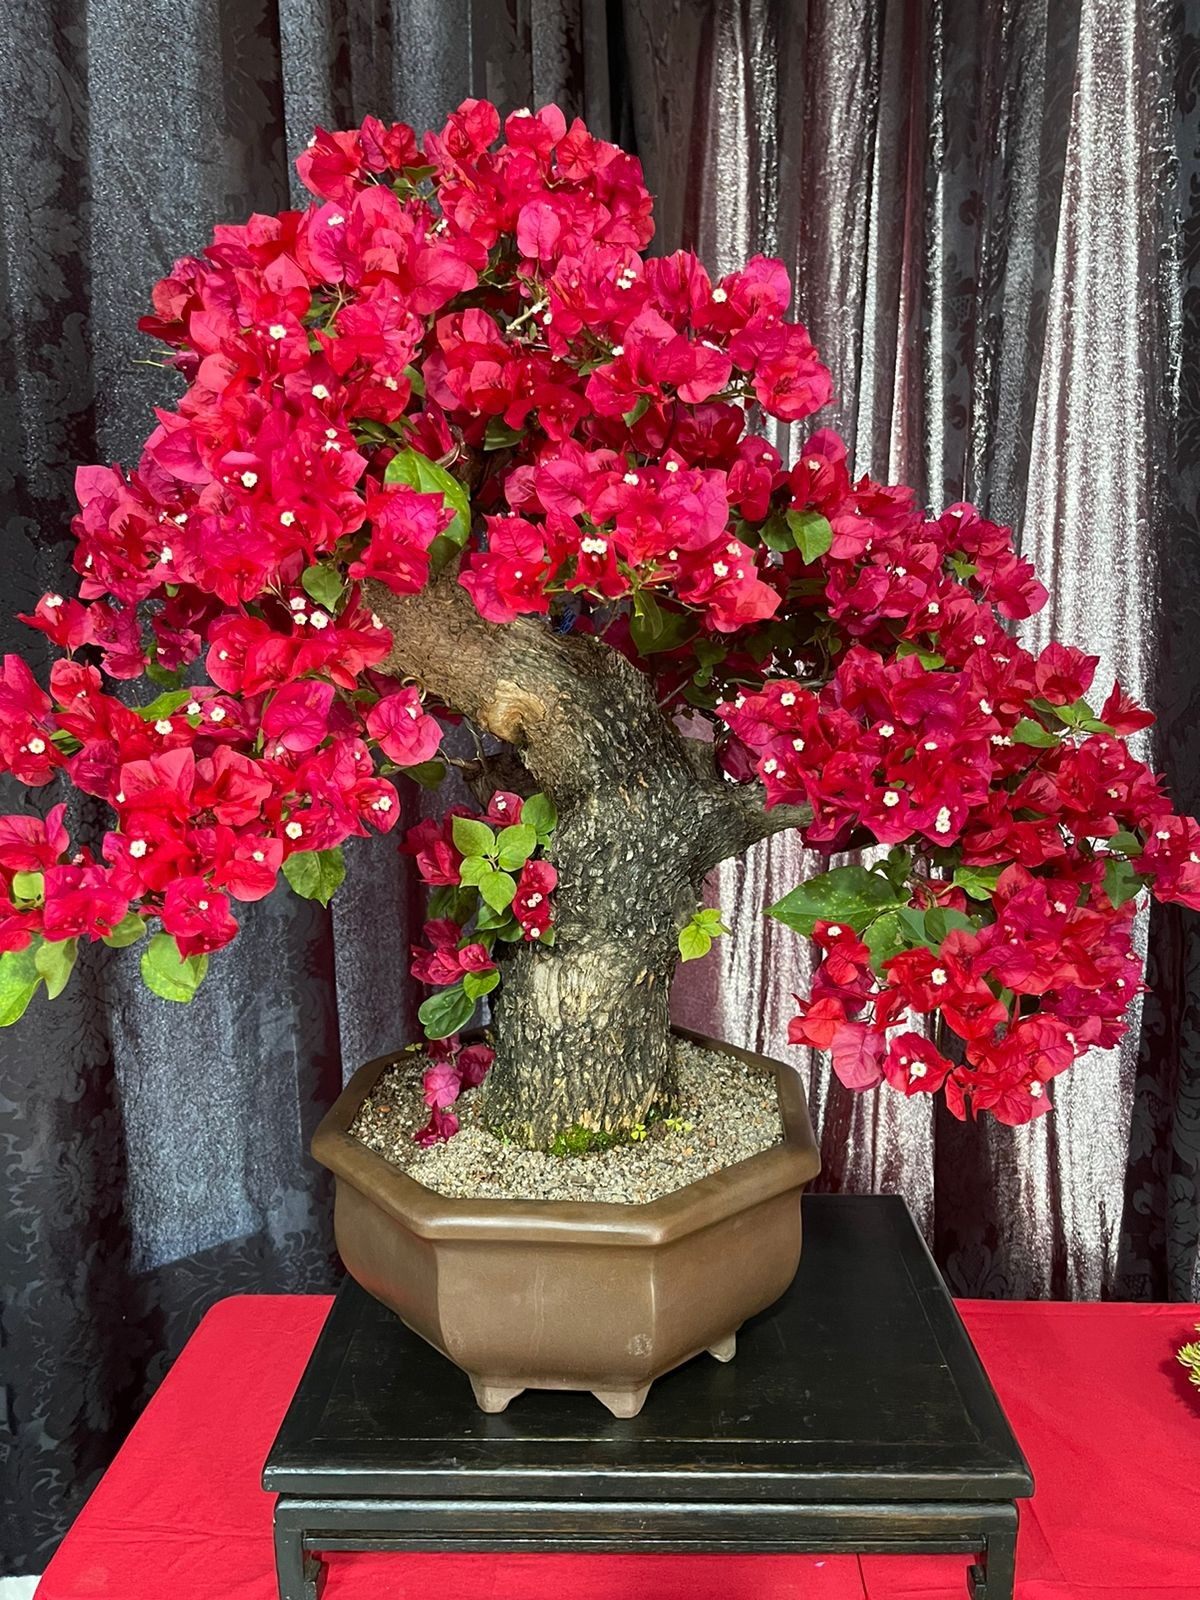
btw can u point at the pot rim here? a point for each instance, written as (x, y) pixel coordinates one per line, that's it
(649, 1223)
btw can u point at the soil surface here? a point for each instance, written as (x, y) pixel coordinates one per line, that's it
(727, 1111)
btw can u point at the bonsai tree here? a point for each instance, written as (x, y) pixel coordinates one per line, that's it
(451, 448)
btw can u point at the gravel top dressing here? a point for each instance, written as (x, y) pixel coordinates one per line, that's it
(726, 1112)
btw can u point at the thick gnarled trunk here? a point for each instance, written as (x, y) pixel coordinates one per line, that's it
(581, 1027)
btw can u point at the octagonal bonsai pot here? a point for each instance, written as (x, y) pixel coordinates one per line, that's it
(550, 1294)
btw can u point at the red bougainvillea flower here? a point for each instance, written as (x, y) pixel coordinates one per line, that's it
(531, 904)
(405, 733)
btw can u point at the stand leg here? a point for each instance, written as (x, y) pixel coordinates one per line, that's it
(996, 1577)
(300, 1575)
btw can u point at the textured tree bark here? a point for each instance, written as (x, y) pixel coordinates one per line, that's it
(582, 1027)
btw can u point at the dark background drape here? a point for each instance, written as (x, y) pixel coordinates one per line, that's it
(988, 206)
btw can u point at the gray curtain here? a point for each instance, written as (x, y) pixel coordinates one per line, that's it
(987, 205)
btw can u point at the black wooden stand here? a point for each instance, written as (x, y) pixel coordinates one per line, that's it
(855, 1418)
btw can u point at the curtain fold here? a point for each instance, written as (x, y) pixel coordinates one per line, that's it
(988, 211)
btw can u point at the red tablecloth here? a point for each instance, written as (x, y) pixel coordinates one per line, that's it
(1102, 1409)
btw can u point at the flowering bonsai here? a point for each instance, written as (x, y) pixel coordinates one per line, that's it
(452, 449)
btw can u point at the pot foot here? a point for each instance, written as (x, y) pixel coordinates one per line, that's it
(724, 1349)
(623, 1402)
(492, 1396)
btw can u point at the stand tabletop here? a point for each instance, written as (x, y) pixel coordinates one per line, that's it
(860, 1384)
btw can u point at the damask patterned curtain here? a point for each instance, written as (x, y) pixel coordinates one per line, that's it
(988, 211)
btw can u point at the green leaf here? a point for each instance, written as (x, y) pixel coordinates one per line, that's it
(929, 659)
(19, 980)
(448, 900)
(167, 676)
(54, 960)
(1076, 714)
(696, 937)
(931, 927)
(652, 628)
(324, 585)
(477, 984)
(446, 1012)
(538, 811)
(28, 888)
(776, 534)
(694, 942)
(963, 569)
(427, 773)
(887, 936)
(472, 869)
(1127, 843)
(978, 882)
(897, 866)
(1121, 882)
(489, 920)
(709, 918)
(811, 532)
(170, 975)
(707, 653)
(941, 920)
(315, 874)
(511, 930)
(411, 467)
(128, 931)
(498, 889)
(637, 411)
(851, 895)
(166, 705)
(499, 436)
(1027, 731)
(515, 845)
(472, 838)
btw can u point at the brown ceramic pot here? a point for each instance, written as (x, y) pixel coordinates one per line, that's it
(540, 1294)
